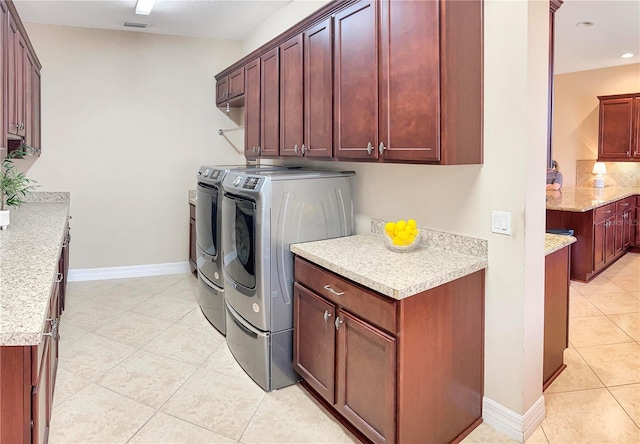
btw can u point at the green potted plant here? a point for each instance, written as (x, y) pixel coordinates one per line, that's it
(14, 185)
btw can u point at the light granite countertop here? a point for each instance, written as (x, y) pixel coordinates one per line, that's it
(366, 260)
(29, 252)
(581, 199)
(555, 242)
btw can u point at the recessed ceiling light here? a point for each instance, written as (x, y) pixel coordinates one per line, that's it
(626, 55)
(144, 7)
(584, 24)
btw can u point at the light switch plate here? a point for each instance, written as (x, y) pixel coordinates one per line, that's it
(501, 222)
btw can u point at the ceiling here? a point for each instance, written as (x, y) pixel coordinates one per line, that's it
(616, 29)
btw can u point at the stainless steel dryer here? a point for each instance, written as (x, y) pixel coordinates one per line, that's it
(262, 214)
(208, 236)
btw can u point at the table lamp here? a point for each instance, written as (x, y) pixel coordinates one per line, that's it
(599, 169)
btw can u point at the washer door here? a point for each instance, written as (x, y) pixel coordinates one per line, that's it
(240, 241)
(208, 218)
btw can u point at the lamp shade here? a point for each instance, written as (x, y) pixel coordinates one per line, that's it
(599, 168)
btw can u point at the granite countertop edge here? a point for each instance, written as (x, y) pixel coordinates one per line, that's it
(577, 197)
(556, 242)
(29, 256)
(388, 285)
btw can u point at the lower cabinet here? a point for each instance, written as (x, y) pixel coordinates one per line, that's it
(636, 222)
(556, 314)
(408, 370)
(604, 235)
(28, 373)
(193, 255)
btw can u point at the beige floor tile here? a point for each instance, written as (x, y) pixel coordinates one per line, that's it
(90, 315)
(147, 378)
(222, 361)
(97, 415)
(577, 376)
(154, 284)
(614, 364)
(587, 416)
(617, 270)
(599, 285)
(165, 307)
(186, 288)
(629, 398)
(186, 344)
(92, 355)
(579, 306)
(629, 284)
(196, 319)
(217, 402)
(69, 332)
(133, 329)
(538, 437)
(595, 330)
(85, 290)
(165, 429)
(290, 415)
(122, 296)
(615, 303)
(67, 385)
(629, 323)
(485, 434)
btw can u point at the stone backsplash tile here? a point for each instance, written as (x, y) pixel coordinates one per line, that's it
(619, 174)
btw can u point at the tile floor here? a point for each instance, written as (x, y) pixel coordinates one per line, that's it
(140, 364)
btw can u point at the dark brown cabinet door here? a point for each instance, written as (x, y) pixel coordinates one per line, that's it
(366, 378)
(318, 84)
(252, 108)
(409, 81)
(636, 139)
(28, 67)
(12, 76)
(609, 238)
(356, 82)
(616, 128)
(222, 91)
(34, 122)
(314, 341)
(235, 85)
(22, 74)
(598, 244)
(627, 229)
(269, 104)
(291, 95)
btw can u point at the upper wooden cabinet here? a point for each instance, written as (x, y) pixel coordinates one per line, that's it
(291, 97)
(619, 127)
(230, 89)
(22, 80)
(252, 108)
(384, 80)
(408, 82)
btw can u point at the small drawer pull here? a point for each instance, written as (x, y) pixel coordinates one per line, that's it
(331, 290)
(326, 316)
(608, 211)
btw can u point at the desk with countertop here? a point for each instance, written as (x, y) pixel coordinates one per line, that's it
(33, 263)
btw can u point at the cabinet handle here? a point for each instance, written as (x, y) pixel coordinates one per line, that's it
(608, 212)
(295, 148)
(253, 149)
(59, 277)
(259, 149)
(331, 290)
(54, 329)
(326, 316)
(381, 148)
(625, 204)
(369, 148)
(304, 149)
(338, 322)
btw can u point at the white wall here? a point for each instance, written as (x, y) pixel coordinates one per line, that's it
(576, 108)
(459, 199)
(127, 120)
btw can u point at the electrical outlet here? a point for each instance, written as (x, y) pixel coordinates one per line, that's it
(501, 222)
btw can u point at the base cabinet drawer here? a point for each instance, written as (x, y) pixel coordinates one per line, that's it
(423, 382)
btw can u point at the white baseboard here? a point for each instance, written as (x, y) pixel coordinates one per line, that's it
(96, 274)
(515, 426)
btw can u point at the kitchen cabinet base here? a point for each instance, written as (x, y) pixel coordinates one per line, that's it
(355, 432)
(553, 377)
